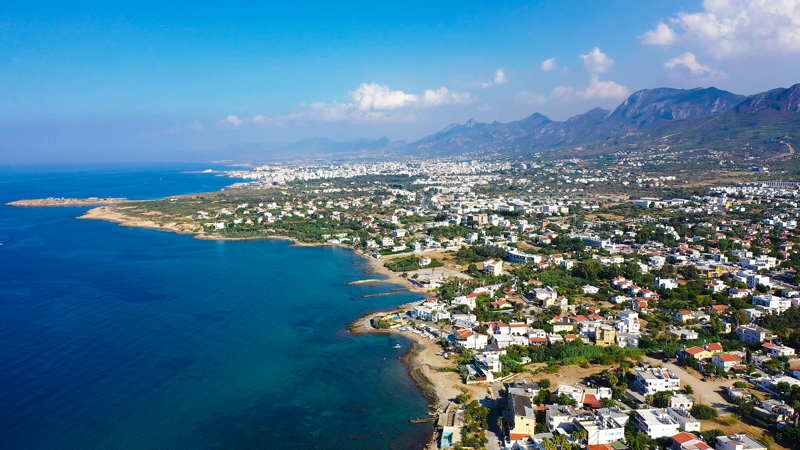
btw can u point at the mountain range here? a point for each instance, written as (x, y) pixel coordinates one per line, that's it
(732, 126)
(701, 117)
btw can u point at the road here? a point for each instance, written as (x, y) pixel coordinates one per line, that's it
(706, 392)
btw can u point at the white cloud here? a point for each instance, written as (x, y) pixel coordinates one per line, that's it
(372, 96)
(531, 98)
(563, 92)
(232, 121)
(368, 102)
(261, 120)
(596, 61)
(548, 64)
(599, 89)
(662, 34)
(498, 78)
(690, 63)
(730, 28)
(443, 96)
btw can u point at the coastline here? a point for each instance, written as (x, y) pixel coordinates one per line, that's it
(423, 358)
(113, 214)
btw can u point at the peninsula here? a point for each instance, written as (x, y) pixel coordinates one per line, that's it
(63, 201)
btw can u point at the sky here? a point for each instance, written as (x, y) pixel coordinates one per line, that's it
(170, 81)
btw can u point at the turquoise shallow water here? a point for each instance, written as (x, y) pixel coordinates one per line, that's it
(121, 338)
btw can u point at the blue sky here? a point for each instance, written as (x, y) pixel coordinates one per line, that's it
(173, 80)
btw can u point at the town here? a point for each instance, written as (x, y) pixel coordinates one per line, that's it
(629, 301)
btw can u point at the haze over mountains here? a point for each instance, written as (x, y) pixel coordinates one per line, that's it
(663, 117)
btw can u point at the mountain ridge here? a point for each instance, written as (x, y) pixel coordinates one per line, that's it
(647, 114)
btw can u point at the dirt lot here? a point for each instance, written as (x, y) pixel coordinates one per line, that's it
(565, 375)
(706, 392)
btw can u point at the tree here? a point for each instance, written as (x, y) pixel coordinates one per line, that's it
(661, 399)
(704, 412)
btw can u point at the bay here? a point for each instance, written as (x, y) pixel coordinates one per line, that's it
(122, 338)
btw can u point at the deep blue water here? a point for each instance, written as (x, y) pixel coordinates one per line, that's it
(123, 338)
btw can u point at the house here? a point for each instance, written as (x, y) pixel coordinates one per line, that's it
(667, 283)
(738, 442)
(655, 379)
(486, 365)
(751, 334)
(774, 411)
(585, 396)
(603, 426)
(605, 335)
(470, 339)
(493, 267)
(701, 353)
(430, 310)
(681, 401)
(775, 350)
(589, 289)
(501, 304)
(698, 353)
(521, 417)
(684, 316)
(735, 394)
(726, 361)
(628, 322)
(465, 320)
(684, 334)
(545, 295)
(772, 303)
(556, 415)
(657, 423)
(464, 300)
(716, 286)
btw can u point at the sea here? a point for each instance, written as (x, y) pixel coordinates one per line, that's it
(123, 338)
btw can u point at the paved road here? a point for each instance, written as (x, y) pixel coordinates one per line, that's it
(706, 392)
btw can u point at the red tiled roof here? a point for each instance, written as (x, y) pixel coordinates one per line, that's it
(600, 447)
(727, 357)
(591, 400)
(715, 347)
(682, 438)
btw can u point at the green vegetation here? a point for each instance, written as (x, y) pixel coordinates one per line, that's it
(408, 263)
(704, 412)
(479, 254)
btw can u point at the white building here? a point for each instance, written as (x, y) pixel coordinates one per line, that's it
(738, 442)
(493, 267)
(656, 379)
